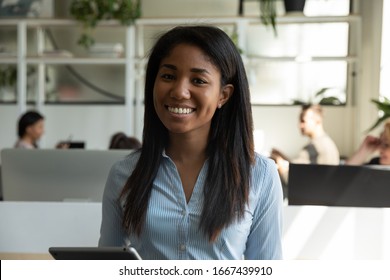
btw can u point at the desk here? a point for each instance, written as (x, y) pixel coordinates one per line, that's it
(28, 229)
(33, 227)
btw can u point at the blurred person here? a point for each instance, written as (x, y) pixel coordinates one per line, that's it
(321, 149)
(371, 145)
(30, 130)
(121, 141)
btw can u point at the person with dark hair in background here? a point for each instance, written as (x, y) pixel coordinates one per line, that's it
(30, 130)
(121, 141)
(196, 189)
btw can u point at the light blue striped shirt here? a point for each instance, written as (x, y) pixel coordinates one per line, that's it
(171, 230)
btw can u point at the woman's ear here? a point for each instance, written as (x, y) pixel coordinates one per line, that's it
(28, 130)
(226, 93)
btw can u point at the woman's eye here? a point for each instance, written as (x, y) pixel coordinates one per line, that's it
(199, 81)
(167, 76)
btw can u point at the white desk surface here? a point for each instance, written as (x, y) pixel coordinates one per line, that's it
(310, 232)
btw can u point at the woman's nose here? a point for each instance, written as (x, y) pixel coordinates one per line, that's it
(180, 90)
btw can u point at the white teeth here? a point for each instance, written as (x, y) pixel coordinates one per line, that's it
(180, 110)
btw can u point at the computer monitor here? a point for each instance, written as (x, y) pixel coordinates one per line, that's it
(338, 185)
(56, 175)
(76, 145)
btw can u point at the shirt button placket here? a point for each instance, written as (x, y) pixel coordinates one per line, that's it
(183, 233)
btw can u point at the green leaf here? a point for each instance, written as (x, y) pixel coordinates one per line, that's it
(321, 92)
(383, 105)
(331, 100)
(378, 122)
(89, 13)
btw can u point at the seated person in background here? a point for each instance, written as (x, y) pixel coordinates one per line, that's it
(30, 130)
(122, 141)
(320, 150)
(371, 145)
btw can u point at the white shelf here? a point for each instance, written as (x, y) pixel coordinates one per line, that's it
(75, 60)
(348, 59)
(48, 22)
(8, 60)
(182, 20)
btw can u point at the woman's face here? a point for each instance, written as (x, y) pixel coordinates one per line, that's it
(187, 90)
(384, 150)
(36, 130)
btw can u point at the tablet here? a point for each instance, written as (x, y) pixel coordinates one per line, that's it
(94, 253)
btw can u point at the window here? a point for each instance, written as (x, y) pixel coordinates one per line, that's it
(309, 55)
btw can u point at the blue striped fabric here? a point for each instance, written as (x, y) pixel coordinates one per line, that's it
(172, 230)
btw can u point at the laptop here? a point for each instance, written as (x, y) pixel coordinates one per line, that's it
(94, 253)
(56, 175)
(339, 185)
(77, 145)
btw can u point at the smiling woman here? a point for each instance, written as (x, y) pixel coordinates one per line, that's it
(188, 91)
(196, 189)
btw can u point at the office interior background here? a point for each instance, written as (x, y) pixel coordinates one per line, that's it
(300, 61)
(340, 44)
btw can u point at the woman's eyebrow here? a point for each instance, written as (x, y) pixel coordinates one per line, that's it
(169, 66)
(199, 70)
(194, 70)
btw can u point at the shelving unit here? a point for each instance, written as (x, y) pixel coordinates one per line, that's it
(22, 60)
(134, 60)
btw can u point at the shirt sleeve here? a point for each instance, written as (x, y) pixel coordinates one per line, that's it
(303, 157)
(265, 238)
(111, 230)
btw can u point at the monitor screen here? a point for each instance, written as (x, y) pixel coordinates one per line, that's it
(338, 185)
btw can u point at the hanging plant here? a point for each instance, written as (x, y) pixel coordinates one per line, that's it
(89, 13)
(268, 13)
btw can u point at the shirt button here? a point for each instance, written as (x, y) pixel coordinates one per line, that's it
(182, 247)
(183, 212)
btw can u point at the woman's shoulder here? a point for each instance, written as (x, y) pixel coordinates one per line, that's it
(20, 144)
(119, 173)
(264, 171)
(127, 163)
(263, 163)
(123, 168)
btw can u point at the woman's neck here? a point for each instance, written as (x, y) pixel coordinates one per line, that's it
(28, 139)
(184, 148)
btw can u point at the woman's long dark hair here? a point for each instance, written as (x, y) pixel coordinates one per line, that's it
(230, 149)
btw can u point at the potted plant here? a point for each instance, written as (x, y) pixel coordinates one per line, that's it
(321, 97)
(8, 79)
(383, 105)
(268, 10)
(89, 13)
(8, 76)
